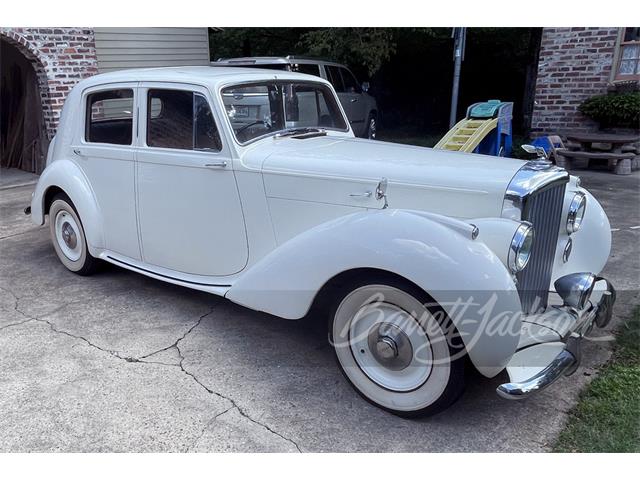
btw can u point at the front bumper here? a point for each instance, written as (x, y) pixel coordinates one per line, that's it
(537, 366)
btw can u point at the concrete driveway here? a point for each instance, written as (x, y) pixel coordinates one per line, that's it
(121, 362)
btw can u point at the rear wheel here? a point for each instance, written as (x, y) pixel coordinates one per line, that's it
(372, 127)
(398, 352)
(67, 235)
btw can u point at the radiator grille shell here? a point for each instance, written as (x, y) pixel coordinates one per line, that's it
(543, 208)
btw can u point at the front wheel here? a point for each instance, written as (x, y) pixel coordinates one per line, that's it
(397, 349)
(67, 235)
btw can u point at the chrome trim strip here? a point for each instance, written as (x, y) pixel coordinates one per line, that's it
(133, 267)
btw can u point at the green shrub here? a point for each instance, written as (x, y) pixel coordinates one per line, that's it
(614, 109)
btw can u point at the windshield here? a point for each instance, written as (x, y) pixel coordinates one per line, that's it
(266, 108)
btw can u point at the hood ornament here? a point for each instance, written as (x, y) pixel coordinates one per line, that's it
(543, 156)
(381, 192)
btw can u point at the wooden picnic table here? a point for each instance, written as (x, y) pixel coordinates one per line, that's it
(621, 154)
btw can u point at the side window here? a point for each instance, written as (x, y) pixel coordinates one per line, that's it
(182, 120)
(206, 135)
(110, 117)
(308, 68)
(333, 74)
(350, 82)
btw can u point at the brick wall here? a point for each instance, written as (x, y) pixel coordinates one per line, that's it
(61, 57)
(575, 64)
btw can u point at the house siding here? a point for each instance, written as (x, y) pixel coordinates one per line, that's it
(575, 64)
(121, 48)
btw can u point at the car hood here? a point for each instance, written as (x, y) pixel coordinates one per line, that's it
(449, 183)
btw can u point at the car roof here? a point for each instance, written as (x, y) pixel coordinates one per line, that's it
(205, 75)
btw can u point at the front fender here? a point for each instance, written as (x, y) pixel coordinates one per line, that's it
(591, 245)
(463, 275)
(67, 176)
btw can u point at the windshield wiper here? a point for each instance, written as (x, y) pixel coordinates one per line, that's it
(289, 132)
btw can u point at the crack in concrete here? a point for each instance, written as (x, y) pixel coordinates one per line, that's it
(209, 390)
(237, 407)
(15, 324)
(175, 345)
(182, 337)
(30, 318)
(206, 427)
(16, 234)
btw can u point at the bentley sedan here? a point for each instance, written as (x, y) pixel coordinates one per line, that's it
(251, 185)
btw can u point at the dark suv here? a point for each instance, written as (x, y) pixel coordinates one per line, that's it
(360, 107)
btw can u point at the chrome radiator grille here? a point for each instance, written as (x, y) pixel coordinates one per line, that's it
(543, 209)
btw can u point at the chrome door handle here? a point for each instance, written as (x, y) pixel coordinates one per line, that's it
(353, 100)
(366, 194)
(221, 164)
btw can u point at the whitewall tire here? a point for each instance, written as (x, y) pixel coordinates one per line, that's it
(67, 235)
(397, 349)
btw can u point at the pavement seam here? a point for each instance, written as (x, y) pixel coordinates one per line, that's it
(115, 354)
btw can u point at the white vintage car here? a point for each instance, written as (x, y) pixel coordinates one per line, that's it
(249, 184)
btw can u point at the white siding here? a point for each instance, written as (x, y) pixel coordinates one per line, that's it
(120, 48)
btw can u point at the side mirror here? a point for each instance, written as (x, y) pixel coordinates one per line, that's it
(539, 151)
(365, 86)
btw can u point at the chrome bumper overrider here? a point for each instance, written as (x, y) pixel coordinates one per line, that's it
(568, 359)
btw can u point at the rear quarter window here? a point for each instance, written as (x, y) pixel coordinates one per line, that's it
(110, 117)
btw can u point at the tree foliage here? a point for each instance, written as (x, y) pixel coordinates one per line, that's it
(258, 41)
(364, 48)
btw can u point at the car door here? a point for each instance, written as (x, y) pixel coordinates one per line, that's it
(349, 94)
(358, 105)
(104, 150)
(189, 208)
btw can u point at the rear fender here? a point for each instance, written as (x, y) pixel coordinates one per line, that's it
(438, 254)
(67, 176)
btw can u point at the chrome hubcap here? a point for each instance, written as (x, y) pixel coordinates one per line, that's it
(390, 346)
(69, 236)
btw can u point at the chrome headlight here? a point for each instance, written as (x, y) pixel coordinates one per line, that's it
(576, 212)
(520, 249)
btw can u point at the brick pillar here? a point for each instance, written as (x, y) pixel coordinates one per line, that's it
(61, 57)
(575, 64)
